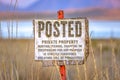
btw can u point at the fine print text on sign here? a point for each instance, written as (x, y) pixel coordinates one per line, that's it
(64, 41)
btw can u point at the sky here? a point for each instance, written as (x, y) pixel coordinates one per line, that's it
(103, 15)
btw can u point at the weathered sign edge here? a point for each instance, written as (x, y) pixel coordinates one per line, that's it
(61, 62)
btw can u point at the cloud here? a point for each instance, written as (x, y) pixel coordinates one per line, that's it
(95, 13)
(90, 13)
(20, 3)
(112, 3)
(43, 5)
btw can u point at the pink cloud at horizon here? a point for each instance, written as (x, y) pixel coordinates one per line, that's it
(91, 13)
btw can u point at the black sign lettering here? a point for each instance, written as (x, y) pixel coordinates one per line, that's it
(64, 24)
(78, 29)
(70, 29)
(59, 28)
(56, 32)
(40, 27)
(48, 29)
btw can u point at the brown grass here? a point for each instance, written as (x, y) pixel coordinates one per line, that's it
(17, 62)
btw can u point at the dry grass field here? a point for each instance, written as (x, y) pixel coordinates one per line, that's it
(17, 62)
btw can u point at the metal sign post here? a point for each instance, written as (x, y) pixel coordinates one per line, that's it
(62, 67)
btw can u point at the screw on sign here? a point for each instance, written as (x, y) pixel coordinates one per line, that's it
(62, 67)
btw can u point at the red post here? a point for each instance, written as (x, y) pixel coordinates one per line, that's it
(60, 14)
(62, 67)
(63, 72)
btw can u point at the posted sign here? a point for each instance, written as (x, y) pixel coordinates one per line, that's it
(61, 40)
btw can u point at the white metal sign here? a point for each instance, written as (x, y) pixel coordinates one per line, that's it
(60, 39)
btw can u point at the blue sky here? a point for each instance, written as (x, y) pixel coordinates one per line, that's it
(43, 5)
(103, 15)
